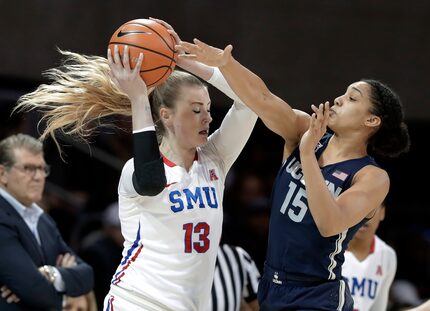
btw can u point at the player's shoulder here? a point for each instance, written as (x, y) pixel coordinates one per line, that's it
(207, 152)
(383, 247)
(373, 171)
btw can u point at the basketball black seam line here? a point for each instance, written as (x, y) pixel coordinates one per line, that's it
(165, 42)
(140, 47)
(161, 76)
(161, 37)
(156, 32)
(155, 68)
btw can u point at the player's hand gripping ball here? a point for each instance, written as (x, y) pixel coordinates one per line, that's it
(157, 45)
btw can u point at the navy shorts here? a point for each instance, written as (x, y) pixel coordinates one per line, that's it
(277, 291)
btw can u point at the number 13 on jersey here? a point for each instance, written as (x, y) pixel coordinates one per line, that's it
(196, 237)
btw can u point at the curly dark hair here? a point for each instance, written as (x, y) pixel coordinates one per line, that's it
(392, 138)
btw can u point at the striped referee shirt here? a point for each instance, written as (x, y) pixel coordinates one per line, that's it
(236, 279)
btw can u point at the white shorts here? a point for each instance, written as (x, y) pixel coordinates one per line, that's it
(119, 299)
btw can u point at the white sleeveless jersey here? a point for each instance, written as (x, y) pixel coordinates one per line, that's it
(370, 279)
(171, 240)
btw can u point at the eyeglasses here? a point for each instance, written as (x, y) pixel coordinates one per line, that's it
(33, 169)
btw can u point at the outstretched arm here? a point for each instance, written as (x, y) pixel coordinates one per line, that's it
(196, 68)
(203, 71)
(275, 113)
(229, 140)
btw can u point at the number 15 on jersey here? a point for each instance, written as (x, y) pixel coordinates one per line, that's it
(295, 198)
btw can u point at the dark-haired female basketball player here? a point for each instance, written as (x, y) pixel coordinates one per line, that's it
(327, 186)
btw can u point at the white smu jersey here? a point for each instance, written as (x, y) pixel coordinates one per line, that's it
(171, 239)
(370, 280)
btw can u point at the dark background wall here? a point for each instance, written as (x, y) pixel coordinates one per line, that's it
(306, 51)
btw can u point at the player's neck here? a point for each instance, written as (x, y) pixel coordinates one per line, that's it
(361, 248)
(346, 147)
(180, 156)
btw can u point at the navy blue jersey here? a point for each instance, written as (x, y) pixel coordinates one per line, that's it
(295, 245)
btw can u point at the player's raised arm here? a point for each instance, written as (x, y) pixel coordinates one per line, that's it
(275, 112)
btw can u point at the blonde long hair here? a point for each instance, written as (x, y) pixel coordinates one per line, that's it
(82, 92)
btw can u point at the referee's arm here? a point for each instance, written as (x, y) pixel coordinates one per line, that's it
(252, 277)
(249, 306)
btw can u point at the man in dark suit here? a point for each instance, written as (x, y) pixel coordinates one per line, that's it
(38, 270)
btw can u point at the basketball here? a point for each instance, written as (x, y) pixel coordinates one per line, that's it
(157, 45)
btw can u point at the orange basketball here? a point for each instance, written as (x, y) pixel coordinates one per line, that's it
(157, 45)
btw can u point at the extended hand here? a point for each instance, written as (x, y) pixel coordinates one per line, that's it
(128, 80)
(169, 29)
(317, 128)
(181, 61)
(205, 53)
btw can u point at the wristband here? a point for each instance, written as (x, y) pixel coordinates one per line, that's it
(215, 75)
(145, 129)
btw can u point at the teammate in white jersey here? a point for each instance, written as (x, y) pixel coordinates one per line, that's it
(170, 194)
(370, 266)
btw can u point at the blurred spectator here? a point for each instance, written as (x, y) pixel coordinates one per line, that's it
(250, 230)
(250, 188)
(37, 268)
(82, 303)
(404, 295)
(412, 243)
(246, 216)
(64, 207)
(102, 249)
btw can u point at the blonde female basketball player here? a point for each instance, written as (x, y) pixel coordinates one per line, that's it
(170, 194)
